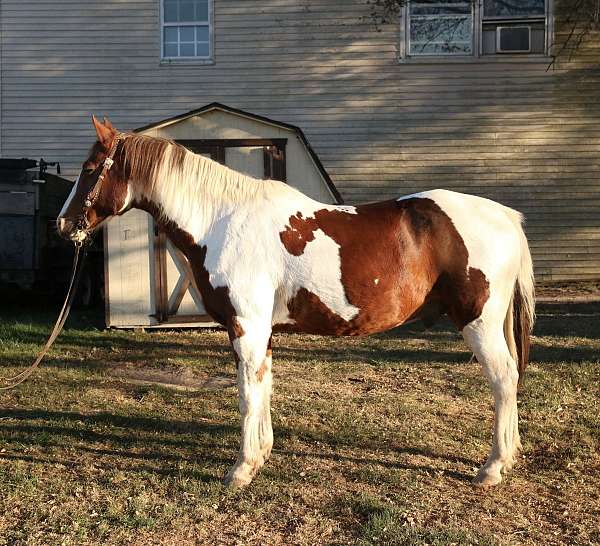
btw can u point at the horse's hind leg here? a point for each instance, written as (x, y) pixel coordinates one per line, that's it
(250, 341)
(485, 336)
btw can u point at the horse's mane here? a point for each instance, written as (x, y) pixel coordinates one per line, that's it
(178, 179)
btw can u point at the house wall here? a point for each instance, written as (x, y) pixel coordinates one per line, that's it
(513, 131)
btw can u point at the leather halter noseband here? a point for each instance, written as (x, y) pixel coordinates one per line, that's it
(92, 196)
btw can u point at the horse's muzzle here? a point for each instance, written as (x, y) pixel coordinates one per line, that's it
(70, 230)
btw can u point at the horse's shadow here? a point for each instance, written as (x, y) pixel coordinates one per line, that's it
(205, 448)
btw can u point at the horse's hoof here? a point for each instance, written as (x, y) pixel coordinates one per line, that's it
(266, 454)
(239, 476)
(485, 478)
(508, 466)
(234, 481)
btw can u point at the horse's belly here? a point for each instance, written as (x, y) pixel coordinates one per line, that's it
(307, 312)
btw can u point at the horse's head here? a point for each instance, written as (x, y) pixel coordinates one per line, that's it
(101, 190)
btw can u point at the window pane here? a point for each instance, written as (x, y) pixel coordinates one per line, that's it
(171, 50)
(457, 7)
(201, 10)
(186, 34)
(186, 50)
(171, 34)
(438, 28)
(202, 34)
(186, 11)
(202, 50)
(513, 8)
(170, 14)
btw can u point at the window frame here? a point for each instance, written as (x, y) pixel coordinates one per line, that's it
(209, 59)
(441, 55)
(477, 55)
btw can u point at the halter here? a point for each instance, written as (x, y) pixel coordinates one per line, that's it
(92, 196)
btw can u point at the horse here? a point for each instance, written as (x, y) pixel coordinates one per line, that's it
(267, 258)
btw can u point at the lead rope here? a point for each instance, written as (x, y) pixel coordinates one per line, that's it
(78, 259)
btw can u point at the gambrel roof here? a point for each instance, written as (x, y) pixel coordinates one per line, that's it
(224, 108)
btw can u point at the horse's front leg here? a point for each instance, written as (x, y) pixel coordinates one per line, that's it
(250, 340)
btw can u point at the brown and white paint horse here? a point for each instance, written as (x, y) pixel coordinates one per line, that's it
(266, 257)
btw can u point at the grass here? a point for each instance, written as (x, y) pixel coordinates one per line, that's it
(376, 439)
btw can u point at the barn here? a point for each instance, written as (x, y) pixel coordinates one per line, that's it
(148, 282)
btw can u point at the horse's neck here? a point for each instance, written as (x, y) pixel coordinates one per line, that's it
(199, 193)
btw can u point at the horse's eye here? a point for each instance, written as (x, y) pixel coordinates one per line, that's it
(88, 171)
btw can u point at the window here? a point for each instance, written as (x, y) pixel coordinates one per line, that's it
(441, 28)
(474, 28)
(186, 29)
(513, 26)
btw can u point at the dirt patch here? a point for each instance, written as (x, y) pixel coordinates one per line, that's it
(177, 378)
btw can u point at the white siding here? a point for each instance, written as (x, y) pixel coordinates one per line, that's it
(512, 131)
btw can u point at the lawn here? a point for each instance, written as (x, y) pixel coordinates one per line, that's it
(376, 439)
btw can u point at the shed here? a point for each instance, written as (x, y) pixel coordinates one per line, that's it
(148, 282)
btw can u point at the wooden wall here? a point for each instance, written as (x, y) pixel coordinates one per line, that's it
(513, 131)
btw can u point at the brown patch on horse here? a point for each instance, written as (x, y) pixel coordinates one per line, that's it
(298, 233)
(269, 350)
(235, 329)
(398, 259)
(262, 370)
(314, 317)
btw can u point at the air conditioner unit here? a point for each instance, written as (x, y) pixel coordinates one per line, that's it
(513, 39)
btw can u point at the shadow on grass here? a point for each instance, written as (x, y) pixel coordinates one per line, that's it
(554, 319)
(165, 471)
(568, 319)
(150, 439)
(119, 438)
(391, 464)
(146, 424)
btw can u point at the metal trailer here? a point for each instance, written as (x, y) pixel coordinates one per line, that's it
(32, 255)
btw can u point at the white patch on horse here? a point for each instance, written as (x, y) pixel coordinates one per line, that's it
(127, 201)
(344, 208)
(376, 281)
(63, 211)
(319, 270)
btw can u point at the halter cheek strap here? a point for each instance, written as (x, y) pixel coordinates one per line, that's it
(93, 194)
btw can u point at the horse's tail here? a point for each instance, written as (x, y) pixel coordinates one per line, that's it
(521, 311)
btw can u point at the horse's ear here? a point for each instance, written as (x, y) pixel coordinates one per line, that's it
(108, 124)
(105, 134)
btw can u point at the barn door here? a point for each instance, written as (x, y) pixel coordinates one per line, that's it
(178, 300)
